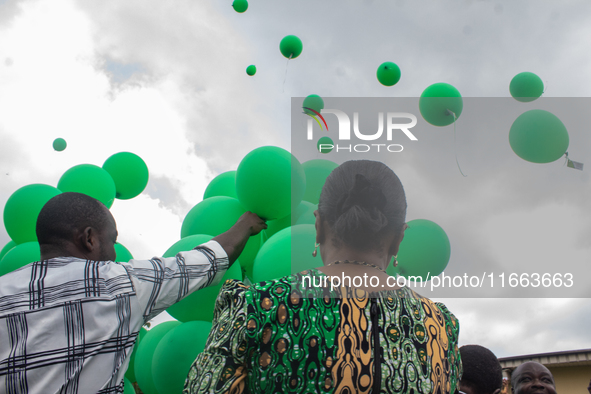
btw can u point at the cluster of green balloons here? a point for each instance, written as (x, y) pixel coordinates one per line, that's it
(163, 355)
(124, 175)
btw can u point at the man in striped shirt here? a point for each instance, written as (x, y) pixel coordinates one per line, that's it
(68, 323)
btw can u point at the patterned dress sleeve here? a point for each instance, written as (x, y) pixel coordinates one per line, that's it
(452, 327)
(161, 282)
(221, 368)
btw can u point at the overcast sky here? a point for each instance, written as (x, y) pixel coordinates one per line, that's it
(166, 80)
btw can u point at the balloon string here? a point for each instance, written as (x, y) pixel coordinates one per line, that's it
(285, 78)
(455, 144)
(264, 236)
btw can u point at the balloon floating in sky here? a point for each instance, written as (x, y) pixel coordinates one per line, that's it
(538, 136)
(90, 180)
(388, 74)
(291, 46)
(251, 70)
(59, 144)
(325, 145)
(313, 102)
(439, 103)
(526, 87)
(425, 250)
(23, 207)
(129, 172)
(240, 5)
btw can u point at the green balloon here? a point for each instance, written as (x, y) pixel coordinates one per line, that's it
(291, 47)
(250, 250)
(275, 259)
(526, 87)
(438, 101)
(270, 181)
(316, 173)
(59, 144)
(538, 136)
(175, 354)
(11, 244)
(130, 373)
(424, 251)
(200, 304)
(213, 216)
(129, 172)
(187, 243)
(314, 102)
(145, 355)
(19, 256)
(23, 207)
(122, 254)
(240, 5)
(388, 74)
(222, 185)
(128, 387)
(251, 70)
(324, 145)
(276, 225)
(90, 180)
(305, 213)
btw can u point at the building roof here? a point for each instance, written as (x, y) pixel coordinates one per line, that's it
(554, 359)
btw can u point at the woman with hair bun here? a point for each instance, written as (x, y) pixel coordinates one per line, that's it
(305, 334)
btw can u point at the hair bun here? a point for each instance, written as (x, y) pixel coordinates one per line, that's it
(362, 194)
(360, 210)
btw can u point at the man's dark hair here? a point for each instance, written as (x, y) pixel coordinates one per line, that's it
(482, 370)
(65, 213)
(361, 201)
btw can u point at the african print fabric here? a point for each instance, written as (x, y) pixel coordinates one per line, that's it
(271, 338)
(69, 325)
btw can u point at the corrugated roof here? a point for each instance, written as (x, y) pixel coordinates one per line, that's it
(554, 359)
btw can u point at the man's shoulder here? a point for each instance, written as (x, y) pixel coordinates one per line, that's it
(55, 281)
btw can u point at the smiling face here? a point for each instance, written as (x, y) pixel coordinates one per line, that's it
(532, 378)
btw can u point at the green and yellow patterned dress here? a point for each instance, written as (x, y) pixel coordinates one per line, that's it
(276, 337)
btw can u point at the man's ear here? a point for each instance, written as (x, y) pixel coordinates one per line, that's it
(87, 240)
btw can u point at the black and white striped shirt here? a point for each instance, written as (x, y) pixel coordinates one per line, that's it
(68, 325)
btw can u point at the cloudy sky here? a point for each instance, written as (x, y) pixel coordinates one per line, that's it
(166, 80)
